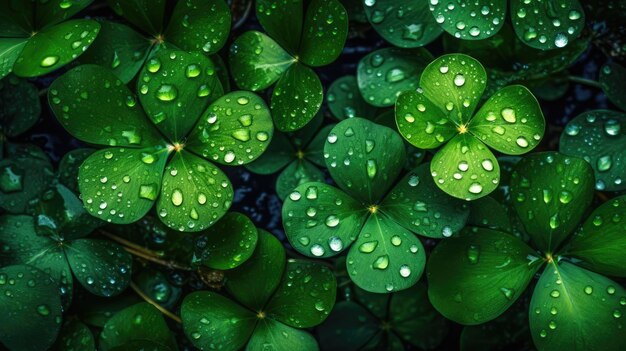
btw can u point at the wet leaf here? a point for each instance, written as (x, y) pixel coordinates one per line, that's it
(67, 174)
(156, 285)
(348, 328)
(75, 336)
(18, 117)
(282, 20)
(550, 193)
(384, 74)
(597, 136)
(227, 244)
(324, 32)
(280, 337)
(566, 299)
(32, 309)
(194, 193)
(611, 77)
(145, 14)
(477, 276)
(49, 13)
(10, 51)
(487, 212)
(298, 172)
(402, 24)
(278, 155)
(296, 98)
(472, 20)
(344, 99)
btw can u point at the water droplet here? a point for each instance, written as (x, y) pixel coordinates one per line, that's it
(405, 271)
(49, 61)
(177, 197)
(167, 92)
(368, 247)
(317, 250)
(381, 262)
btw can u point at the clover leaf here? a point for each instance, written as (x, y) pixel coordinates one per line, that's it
(296, 40)
(266, 313)
(344, 100)
(54, 240)
(597, 136)
(475, 277)
(16, 119)
(365, 159)
(31, 307)
(298, 154)
(193, 26)
(403, 24)
(36, 39)
(75, 335)
(384, 322)
(611, 77)
(539, 24)
(159, 148)
(441, 113)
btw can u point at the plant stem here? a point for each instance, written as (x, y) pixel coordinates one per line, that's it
(153, 303)
(43, 92)
(585, 81)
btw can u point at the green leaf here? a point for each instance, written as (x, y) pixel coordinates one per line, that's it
(101, 267)
(16, 19)
(601, 242)
(55, 47)
(95, 311)
(364, 158)
(134, 173)
(195, 193)
(25, 174)
(567, 298)
(345, 100)
(421, 122)
(199, 25)
(279, 153)
(385, 257)
(611, 77)
(598, 137)
(75, 336)
(454, 83)
(413, 26)
(324, 32)
(227, 244)
(470, 21)
(175, 88)
(267, 261)
(321, 220)
(145, 14)
(314, 151)
(417, 204)
(156, 285)
(477, 276)
(211, 320)
(465, 168)
(67, 174)
(279, 337)
(52, 12)
(139, 322)
(282, 20)
(349, 327)
(298, 172)
(96, 107)
(16, 118)
(511, 121)
(119, 48)
(222, 71)
(384, 74)
(296, 99)
(551, 193)
(31, 307)
(487, 212)
(305, 296)
(10, 51)
(535, 22)
(236, 129)
(257, 61)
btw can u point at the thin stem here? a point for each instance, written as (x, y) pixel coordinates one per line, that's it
(43, 92)
(585, 81)
(153, 303)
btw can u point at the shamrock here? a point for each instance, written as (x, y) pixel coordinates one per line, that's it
(269, 312)
(16, 119)
(298, 154)
(55, 240)
(541, 24)
(442, 111)
(383, 322)
(163, 158)
(295, 42)
(36, 39)
(365, 159)
(475, 277)
(194, 25)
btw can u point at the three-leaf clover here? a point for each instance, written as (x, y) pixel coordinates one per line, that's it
(475, 277)
(193, 25)
(55, 240)
(295, 41)
(299, 154)
(365, 159)
(267, 312)
(541, 24)
(160, 152)
(441, 112)
(35, 40)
